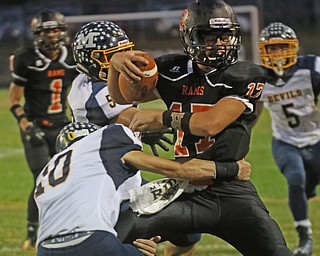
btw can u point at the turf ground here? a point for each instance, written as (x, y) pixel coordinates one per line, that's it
(16, 181)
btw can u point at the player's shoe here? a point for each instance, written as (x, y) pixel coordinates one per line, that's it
(305, 242)
(29, 245)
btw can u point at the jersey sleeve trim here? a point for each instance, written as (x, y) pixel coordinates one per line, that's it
(246, 102)
(19, 80)
(126, 150)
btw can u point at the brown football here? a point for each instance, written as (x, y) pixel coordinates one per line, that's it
(137, 92)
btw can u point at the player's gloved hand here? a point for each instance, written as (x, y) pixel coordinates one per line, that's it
(156, 138)
(35, 136)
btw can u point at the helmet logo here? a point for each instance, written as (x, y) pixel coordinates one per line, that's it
(86, 41)
(123, 42)
(184, 16)
(220, 23)
(50, 24)
(77, 133)
(70, 135)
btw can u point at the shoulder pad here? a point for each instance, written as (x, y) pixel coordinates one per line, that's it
(169, 57)
(307, 61)
(245, 71)
(24, 51)
(172, 65)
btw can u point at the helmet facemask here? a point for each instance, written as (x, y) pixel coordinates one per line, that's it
(51, 39)
(210, 33)
(50, 30)
(94, 45)
(102, 57)
(279, 60)
(278, 46)
(214, 47)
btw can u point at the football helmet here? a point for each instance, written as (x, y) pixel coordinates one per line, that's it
(278, 46)
(49, 30)
(73, 132)
(94, 45)
(202, 24)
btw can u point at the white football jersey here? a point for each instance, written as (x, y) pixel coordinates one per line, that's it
(81, 188)
(292, 103)
(90, 101)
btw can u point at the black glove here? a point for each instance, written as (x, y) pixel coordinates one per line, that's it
(35, 136)
(156, 138)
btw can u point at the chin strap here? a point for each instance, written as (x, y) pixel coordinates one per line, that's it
(82, 69)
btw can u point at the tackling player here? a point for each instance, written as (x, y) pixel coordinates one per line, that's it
(291, 97)
(80, 190)
(211, 97)
(89, 97)
(41, 76)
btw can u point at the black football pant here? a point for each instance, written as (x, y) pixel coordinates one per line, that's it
(37, 158)
(241, 219)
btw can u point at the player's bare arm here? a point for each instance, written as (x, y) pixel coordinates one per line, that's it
(226, 111)
(216, 119)
(15, 95)
(126, 116)
(193, 169)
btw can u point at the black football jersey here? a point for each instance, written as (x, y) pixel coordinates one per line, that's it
(46, 81)
(184, 89)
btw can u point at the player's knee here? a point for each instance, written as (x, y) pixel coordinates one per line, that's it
(281, 250)
(296, 190)
(296, 180)
(186, 240)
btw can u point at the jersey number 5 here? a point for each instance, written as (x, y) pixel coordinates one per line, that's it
(294, 119)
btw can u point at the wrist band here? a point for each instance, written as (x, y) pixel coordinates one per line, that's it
(177, 120)
(19, 117)
(185, 122)
(13, 111)
(167, 118)
(226, 170)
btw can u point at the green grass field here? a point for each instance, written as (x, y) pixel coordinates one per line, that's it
(16, 181)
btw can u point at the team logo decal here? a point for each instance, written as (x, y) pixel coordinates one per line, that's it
(87, 41)
(220, 23)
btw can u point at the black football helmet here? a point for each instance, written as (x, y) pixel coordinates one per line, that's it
(73, 132)
(278, 34)
(49, 29)
(201, 24)
(94, 45)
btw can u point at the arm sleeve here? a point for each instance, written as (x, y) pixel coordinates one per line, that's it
(18, 70)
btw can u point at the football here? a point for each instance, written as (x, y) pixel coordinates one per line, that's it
(138, 91)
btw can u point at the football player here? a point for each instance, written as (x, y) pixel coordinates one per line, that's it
(80, 190)
(89, 97)
(41, 76)
(290, 95)
(211, 97)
